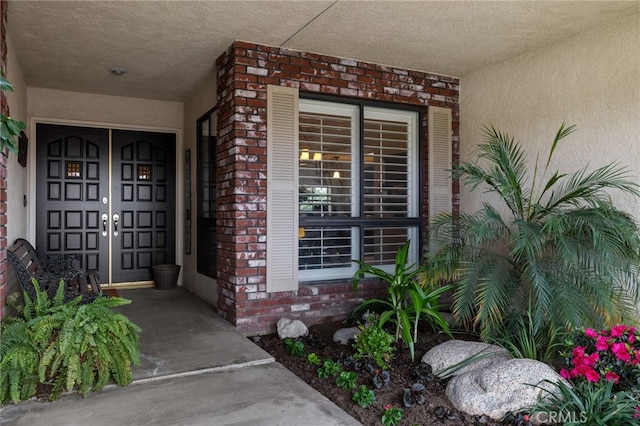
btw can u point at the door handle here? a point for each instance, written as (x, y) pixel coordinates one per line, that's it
(116, 218)
(104, 217)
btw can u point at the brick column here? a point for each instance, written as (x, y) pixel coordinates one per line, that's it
(244, 70)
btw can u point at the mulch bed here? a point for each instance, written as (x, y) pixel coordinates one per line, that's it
(436, 411)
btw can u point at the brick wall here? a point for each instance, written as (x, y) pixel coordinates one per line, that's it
(244, 71)
(3, 166)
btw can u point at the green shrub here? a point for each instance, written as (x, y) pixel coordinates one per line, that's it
(521, 338)
(409, 300)
(313, 359)
(364, 396)
(347, 380)
(373, 342)
(329, 368)
(586, 403)
(295, 347)
(65, 346)
(391, 415)
(552, 245)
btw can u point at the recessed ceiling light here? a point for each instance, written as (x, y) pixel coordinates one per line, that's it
(117, 71)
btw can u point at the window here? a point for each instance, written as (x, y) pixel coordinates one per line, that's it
(206, 178)
(359, 187)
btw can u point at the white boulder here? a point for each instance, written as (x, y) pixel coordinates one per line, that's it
(452, 352)
(344, 335)
(502, 387)
(292, 329)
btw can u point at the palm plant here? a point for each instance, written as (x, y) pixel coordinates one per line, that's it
(409, 299)
(557, 251)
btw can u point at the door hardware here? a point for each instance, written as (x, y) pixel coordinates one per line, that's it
(116, 217)
(105, 217)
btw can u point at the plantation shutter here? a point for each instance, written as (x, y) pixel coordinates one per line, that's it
(282, 189)
(440, 193)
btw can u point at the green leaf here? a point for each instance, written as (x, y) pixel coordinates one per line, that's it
(5, 85)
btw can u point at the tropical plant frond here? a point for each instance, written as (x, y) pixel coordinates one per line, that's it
(564, 253)
(505, 172)
(562, 133)
(584, 188)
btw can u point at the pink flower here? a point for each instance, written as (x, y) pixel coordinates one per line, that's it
(612, 377)
(601, 343)
(636, 415)
(575, 372)
(387, 407)
(590, 332)
(592, 359)
(631, 338)
(578, 352)
(565, 374)
(621, 352)
(591, 375)
(618, 330)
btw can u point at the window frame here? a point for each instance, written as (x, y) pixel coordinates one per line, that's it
(206, 233)
(358, 221)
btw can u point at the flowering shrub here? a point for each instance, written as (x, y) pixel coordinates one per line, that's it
(611, 355)
(391, 415)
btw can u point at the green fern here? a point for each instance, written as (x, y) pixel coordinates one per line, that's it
(18, 364)
(66, 346)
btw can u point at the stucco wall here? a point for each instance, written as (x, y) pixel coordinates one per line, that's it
(116, 110)
(14, 219)
(591, 80)
(17, 213)
(201, 102)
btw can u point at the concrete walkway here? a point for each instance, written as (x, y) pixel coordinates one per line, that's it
(195, 370)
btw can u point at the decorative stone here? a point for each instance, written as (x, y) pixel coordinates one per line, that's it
(452, 352)
(502, 387)
(344, 335)
(291, 329)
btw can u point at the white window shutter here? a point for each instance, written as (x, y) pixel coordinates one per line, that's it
(440, 192)
(282, 189)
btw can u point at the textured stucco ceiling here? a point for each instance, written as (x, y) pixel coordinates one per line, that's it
(170, 47)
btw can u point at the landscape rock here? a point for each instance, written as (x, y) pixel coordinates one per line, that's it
(452, 352)
(502, 387)
(344, 335)
(291, 329)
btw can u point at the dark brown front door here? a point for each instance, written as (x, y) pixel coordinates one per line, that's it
(108, 197)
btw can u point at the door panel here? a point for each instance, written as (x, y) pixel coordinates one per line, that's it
(144, 200)
(71, 179)
(73, 194)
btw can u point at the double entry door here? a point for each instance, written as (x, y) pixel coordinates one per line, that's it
(108, 198)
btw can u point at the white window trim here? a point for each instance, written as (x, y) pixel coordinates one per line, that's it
(409, 117)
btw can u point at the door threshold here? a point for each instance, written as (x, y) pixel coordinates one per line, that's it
(126, 285)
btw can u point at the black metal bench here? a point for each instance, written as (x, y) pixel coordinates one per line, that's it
(49, 272)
